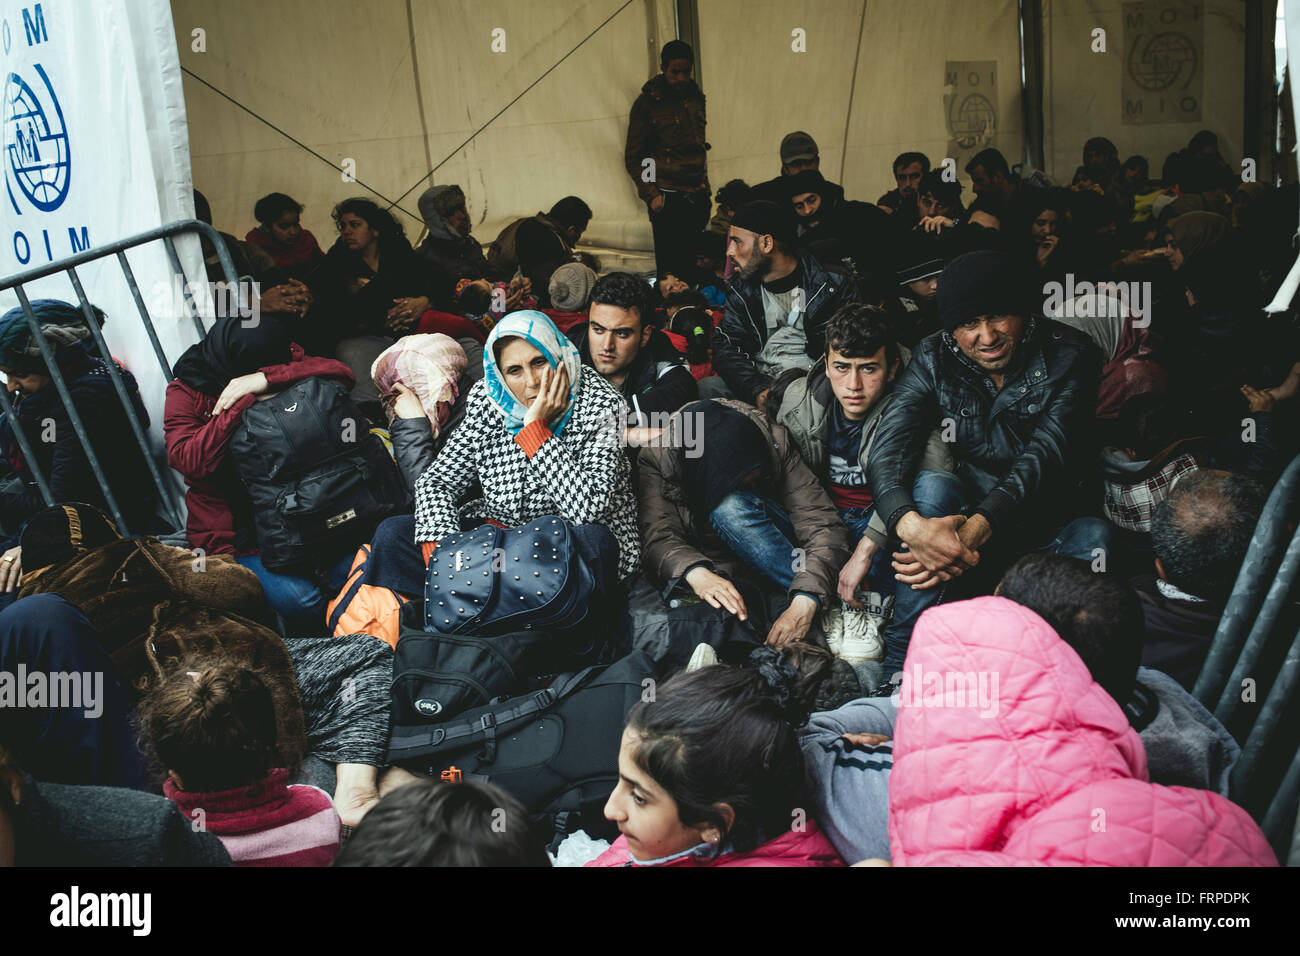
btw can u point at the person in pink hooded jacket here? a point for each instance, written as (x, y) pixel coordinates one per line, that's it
(711, 773)
(1008, 753)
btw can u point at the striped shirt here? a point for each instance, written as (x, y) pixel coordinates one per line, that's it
(268, 823)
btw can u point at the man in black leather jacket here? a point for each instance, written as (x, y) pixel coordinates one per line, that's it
(1016, 397)
(778, 303)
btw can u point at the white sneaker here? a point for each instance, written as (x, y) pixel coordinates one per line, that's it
(854, 636)
(704, 656)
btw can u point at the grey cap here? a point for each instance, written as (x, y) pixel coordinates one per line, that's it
(798, 146)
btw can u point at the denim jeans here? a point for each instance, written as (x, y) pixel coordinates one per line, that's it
(300, 601)
(880, 577)
(759, 531)
(938, 494)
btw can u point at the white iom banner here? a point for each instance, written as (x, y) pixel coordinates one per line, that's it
(95, 149)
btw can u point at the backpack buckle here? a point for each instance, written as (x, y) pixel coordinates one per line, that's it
(488, 723)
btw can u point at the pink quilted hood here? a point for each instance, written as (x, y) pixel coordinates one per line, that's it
(1007, 753)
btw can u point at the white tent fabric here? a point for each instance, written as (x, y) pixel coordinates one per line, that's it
(342, 78)
(760, 89)
(1085, 92)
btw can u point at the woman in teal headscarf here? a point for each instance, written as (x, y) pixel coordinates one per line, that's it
(541, 436)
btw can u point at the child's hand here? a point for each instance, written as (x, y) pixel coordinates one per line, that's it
(866, 740)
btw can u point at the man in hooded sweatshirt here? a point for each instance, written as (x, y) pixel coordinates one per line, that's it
(665, 156)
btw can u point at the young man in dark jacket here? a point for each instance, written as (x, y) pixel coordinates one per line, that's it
(620, 343)
(902, 201)
(778, 302)
(1015, 398)
(666, 128)
(835, 229)
(567, 220)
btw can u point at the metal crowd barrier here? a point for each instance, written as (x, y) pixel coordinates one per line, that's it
(1250, 623)
(169, 501)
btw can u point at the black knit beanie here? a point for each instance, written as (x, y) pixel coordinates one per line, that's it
(987, 282)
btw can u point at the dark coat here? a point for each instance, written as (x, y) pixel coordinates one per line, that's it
(743, 331)
(452, 258)
(503, 255)
(71, 826)
(668, 127)
(658, 380)
(1178, 633)
(672, 543)
(1021, 449)
(63, 461)
(857, 231)
(414, 446)
(351, 299)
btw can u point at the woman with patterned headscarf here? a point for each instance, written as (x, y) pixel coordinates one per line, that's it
(541, 436)
(40, 412)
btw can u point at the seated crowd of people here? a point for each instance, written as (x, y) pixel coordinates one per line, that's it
(834, 449)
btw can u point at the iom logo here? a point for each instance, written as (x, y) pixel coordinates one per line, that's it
(37, 158)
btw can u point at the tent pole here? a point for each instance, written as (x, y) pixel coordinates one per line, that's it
(853, 85)
(1253, 85)
(1031, 79)
(686, 13)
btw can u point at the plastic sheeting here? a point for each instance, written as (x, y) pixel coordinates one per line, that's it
(342, 78)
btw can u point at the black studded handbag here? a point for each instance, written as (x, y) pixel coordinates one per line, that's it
(491, 581)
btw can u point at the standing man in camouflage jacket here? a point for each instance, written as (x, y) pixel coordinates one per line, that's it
(666, 127)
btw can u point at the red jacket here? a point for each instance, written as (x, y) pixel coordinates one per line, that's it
(808, 847)
(196, 445)
(297, 263)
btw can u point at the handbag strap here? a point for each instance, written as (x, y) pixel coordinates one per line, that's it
(349, 594)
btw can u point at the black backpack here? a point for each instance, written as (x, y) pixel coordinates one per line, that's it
(437, 676)
(555, 750)
(319, 481)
